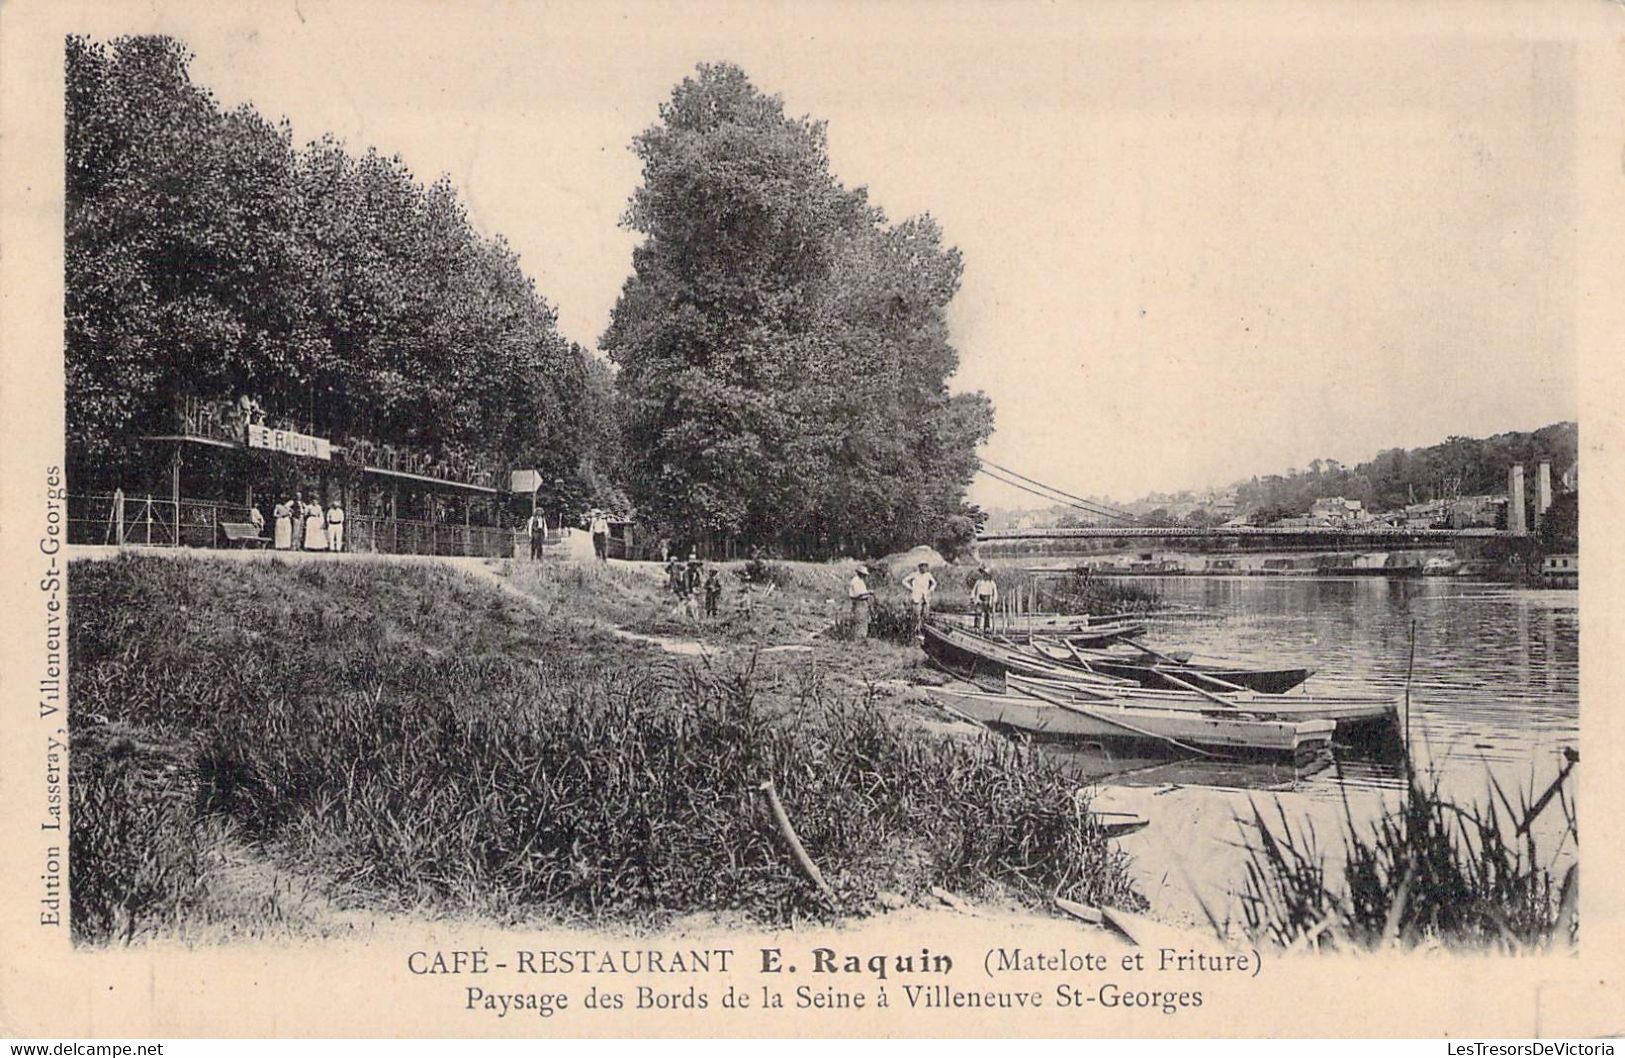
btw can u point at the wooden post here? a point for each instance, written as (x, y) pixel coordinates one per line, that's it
(118, 507)
(175, 490)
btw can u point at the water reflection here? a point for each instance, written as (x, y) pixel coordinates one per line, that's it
(1494, 693)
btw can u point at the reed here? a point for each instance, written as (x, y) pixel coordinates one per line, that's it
(1431, 870)
(428, 745)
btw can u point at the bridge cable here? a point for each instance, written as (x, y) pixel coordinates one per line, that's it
(1056, 500)
(1102, 508)
(1052, 494)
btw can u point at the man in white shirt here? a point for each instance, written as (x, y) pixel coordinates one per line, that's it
(335, 526)
(600, 534)
(538, 532)
(921, 586)
(984, 593)
(857, 590)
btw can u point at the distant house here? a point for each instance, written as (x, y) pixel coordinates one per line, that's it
(1470, 512)
(1561, 571)
(1336, 510)
(1425, 515)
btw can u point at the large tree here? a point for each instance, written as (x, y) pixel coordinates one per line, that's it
(206, 254)
(783, 349)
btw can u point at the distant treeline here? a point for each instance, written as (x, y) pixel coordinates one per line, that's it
(205, 253)
(782, 349)
(1463, 466)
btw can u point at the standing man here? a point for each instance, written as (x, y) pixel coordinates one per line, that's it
(713, 592)
(600, 534)
(335, 525)
(538, 532)
(921, 586)
(984, 593)
(857, 589)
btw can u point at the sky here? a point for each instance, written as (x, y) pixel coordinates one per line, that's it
(1200, 242)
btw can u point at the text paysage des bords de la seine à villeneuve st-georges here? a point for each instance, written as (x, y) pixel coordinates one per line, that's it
(1158, 980)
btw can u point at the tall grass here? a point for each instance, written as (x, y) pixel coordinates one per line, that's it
(1073, 593)
(1433, 870)
(428, 744)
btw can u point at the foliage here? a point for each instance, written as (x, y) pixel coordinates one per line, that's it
(783, 349)
(1463, 466)
(453, 751)
(1432, 870)
(205, 253)
(1560, 528)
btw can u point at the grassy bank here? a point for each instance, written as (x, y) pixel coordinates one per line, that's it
(407, 739)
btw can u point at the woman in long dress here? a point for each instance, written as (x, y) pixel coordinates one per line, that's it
(282, 514)
(315, 528)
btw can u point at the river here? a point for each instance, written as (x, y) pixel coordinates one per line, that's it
(1494, 691)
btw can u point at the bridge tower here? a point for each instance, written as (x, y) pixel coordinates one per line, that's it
(1516, 524)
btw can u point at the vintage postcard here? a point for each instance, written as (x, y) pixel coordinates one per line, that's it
(836, 519)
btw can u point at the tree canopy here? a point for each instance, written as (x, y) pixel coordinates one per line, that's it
(783, 348)
(206, 254)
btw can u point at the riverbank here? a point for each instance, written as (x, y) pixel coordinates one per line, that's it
(263, 745)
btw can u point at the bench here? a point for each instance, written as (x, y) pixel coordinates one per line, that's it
(244, 534)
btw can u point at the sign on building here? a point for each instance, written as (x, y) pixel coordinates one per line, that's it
(294, 444)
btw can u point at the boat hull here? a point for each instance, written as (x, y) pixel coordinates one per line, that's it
(966, 654)
(1265, 681)
(1347, 712)
(1082, 630)
(1165, 730)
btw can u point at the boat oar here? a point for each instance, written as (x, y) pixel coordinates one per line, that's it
(1137, 645)
(1210, 678)
(1057, 700)
(1177, 682)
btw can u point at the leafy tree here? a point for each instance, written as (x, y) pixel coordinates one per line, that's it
(205, 254)
(783, 349)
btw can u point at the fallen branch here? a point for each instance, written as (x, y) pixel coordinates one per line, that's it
(808, 867)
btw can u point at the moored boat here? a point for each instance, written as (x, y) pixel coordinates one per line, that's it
(1170, 672)
(1213, 733)
(967, 654)
(1078, 628)
(1349, 712)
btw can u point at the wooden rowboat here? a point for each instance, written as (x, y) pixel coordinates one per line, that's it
(968, 654)
(1348, 712)
(1150, 670)
(1078, 628)
(1213, 733)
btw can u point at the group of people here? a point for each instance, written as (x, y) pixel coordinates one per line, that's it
(300, 524)
(691, 582)
(596, 521)
(922, 589)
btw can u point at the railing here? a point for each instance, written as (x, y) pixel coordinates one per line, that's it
(394, 536)
(119, 519)
(149, 520)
